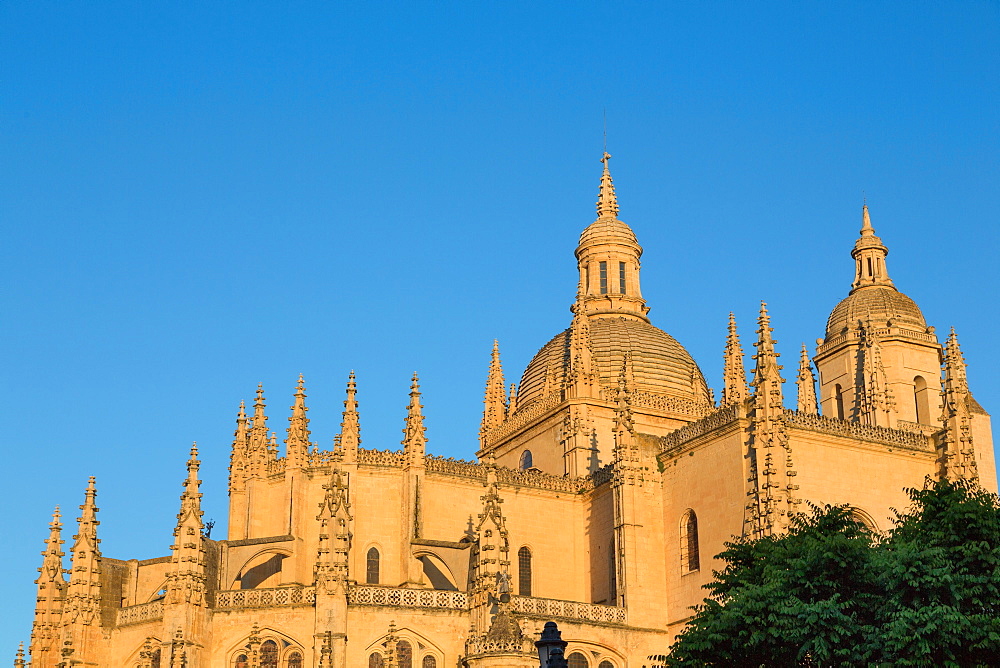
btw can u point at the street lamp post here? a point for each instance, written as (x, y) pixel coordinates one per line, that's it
(550, 647)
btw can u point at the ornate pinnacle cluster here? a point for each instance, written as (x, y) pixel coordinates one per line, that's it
(186, 577)
(772, 490)
(493, 544)
(495, 402)
(83, 595)
(875, 403)
(581, 379)
(350, 426)
(334, 533)
(806, 383)
(238, 458)
(50, 600)
(297, 443)
(259, 444)
(957, 451)
(734, 376)
(414, 440)
(607, 202)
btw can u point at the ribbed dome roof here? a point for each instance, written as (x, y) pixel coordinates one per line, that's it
(608, 230)
(878, 303)
(659, 364)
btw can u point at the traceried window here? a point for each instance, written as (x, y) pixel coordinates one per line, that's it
(295, 660)
(526, 462)
(429, 662)
(604, 278)
(372, 566)
(269, 654)
(621, 277)
(242, 661)
(690, 558)
(577, 660)
(524, 572)
(375, 660)
(404, 654)
(606, 664)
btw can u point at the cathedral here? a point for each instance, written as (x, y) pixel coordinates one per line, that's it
(603, 484)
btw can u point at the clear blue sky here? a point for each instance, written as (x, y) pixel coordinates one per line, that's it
(197, 197)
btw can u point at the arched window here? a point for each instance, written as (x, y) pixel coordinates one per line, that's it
(525, 460)
(429, 662)
(524, 572)
(921, 400)
(612, 575)
(295, 660)
(375, 660)
(242, 661)
(371, 571)
(269, 654)
(690, 559)
(154, 661)
(621, 277)
(606, 664)
(838, 395)
(404, 654)
(604, 278)
(577, 660)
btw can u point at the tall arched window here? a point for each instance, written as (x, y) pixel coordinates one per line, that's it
(404, 654)
(838, 396)
(525, 463)
(612, 575)
(429, 662)
(524, 572)
(577, 660)
(921, 400)
(295, 660)
(604, 278)
(269, 654)
(375, 660)
(690, 559)
(371, 572)
(621, 277)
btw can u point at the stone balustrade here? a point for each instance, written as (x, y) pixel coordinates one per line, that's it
(549, 607)
(235, 599)
(137, 614)
(407, 598)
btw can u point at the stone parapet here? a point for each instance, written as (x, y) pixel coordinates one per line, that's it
(275, 597)
(137, 614)
(553, 608)
(718, 419)
(401, 597)
(861, 432)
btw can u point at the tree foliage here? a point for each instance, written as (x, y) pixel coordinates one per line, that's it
(833, 593)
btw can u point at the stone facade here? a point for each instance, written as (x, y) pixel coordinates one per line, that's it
(603, 484)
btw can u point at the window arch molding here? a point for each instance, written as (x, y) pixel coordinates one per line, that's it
(863, 516)
(525, 580)
(285, 643)
(364, 557)
(156, 645)
(422, 648)
(526, 461)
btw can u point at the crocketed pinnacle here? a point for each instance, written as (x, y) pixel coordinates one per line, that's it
(767, 368)
(350, 426)
(806, 385)
(733, 373)
(258, 446)
(191, 497)
(607, 202)
(495, 401)
(297, 441)
(623, 399)
(52, 565)
(957, 450)
(83, 595)
(413, 433)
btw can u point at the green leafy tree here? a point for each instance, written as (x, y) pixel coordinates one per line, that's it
(831, 593)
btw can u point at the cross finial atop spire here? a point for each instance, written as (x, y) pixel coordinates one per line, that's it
(607, 202)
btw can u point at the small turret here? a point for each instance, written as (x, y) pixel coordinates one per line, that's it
(869, 256)
(806, 385)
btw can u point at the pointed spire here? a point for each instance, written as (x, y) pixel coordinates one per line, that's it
(956, 448)
(607, 202)
(495, 402)
(83, 595)
(350, 427)
(733, 373)
(869, 257)
(512, 399)
(258, 445)
(186, 574)
(297, 442)
(51, 583)
(238, 458)
(580, 381)
(414, 440)
(806, 383)
(875, 404)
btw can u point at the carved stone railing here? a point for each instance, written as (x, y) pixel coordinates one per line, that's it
(717, 419)
(523, 416)
(917, 427)
(402, 597)
(641, 399)
(275, 597)
(276, 466)
(323, 458)
(862, 432)
(459, 467)
(483, 646)
(601, 476)
(144, 612)
(881, 332)
(539, 480)
(550, 607)
(392, 458)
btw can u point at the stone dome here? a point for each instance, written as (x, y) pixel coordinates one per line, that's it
(608, 230)
(879, 303)
(659, 364)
